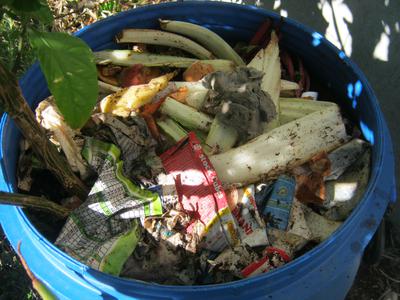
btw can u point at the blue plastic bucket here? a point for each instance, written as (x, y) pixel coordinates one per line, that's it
(326, 272)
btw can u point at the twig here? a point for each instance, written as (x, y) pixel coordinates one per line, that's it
(14, 104)
(34, 202)
(390, 257)
(389, 277)
(385, 293)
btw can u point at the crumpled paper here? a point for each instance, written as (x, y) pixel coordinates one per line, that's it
(132, 136)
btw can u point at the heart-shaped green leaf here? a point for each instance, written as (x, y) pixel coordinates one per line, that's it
(69, 67)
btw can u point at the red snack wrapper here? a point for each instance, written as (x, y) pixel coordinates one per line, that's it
(201, 195)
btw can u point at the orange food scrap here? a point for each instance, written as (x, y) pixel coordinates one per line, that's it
(197, 71)
(181, 94)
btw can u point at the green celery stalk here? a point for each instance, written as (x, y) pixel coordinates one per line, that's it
(221, 137)
(172, 129)
(186, 115)
(294, 108)
(129, 58)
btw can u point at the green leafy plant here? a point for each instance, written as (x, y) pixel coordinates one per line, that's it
(108, 8)
(66, 61)
(71, 73)
(69, 67)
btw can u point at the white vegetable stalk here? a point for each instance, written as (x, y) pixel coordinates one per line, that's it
(221, 138)
(172, 129)
(157, 37)
(282, 148)
(267, 60)
(197, 93)
(186, 115)
(287, 85)
(129, 58)
(294, 108)
(204, 36)
(108, 87)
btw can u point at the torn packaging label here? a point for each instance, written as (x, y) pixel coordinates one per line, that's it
(276, 212)
(243, 206)
(201, 195)
(96, 231)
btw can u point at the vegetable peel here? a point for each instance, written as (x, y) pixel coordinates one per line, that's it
(127, 100)
(282, 148)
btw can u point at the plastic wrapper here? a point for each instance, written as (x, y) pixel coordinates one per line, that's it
(277, 206)
(201, 196)
(133, 138)
(105, 222)
(251, 227)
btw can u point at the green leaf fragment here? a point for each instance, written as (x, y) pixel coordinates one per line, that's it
(70, 71)
(44, 14)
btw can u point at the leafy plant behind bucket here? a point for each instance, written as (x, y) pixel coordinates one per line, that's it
(70, 71)
(66, 61)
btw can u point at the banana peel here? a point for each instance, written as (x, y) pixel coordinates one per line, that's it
(125, 101)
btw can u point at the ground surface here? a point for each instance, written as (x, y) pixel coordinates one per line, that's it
(368, 31)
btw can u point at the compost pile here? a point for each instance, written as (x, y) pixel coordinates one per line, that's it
(207, 164)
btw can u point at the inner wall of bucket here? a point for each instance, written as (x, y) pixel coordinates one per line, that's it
(333, 70)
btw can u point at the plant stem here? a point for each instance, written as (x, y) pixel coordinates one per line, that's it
(34, 202)
(13, 102)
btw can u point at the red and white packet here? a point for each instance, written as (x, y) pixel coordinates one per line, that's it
(251, 227)
(273, 258)
(201, 194)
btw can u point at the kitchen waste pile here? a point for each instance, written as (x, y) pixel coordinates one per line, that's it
(206, 164)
